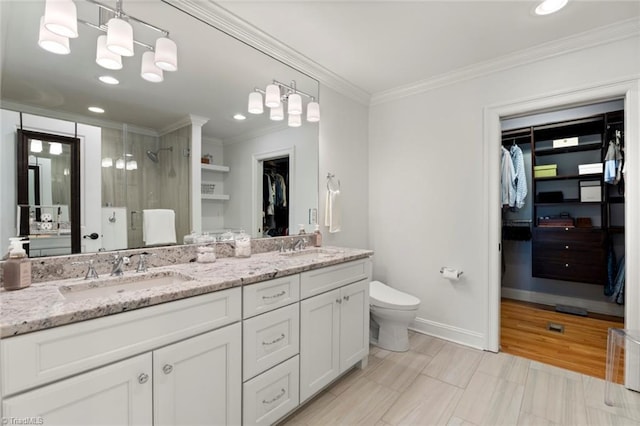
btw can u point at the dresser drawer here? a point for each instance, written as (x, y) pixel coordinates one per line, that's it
(269, 295)
(592, 237)
(271, 395)
(269, 339)
(573, 252)
(41, 357)
(325, 279)
(569, 271)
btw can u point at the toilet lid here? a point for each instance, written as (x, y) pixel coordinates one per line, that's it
(383, 296)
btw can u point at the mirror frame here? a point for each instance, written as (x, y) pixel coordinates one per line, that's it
(23, 181)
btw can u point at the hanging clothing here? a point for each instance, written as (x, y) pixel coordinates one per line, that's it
(613, 162)
(618, 285)
(520, 181)
(281, 191)
(269, 194)
(507, 177)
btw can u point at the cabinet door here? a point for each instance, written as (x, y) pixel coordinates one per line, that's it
(354, 324)
(198, 381)
(118, 394)
(319, 342)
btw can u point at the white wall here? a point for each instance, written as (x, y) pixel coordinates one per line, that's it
(8, 191)
(344, 152)
(426, 181)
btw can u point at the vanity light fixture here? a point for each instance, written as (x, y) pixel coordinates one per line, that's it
(36, 145)
(55, 148)
(107, 79)
(276, 95)
(60, 19)
(107, 162)
(239, 117)
(52, 42)
(96, 109)
(548, 7)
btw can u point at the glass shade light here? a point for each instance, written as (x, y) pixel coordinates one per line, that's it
(132, 165)
(107, 162)
(295, 104)
(255, 103)
(120, 37)
(313, 112)
(150, 71)
(52, 42)
(295, 120)
(106, 58)
(60, 17)
(55, 148)
(36, 145)
(120, 163)
(272, 96)
(166, 54)
(277, 113)
(548, 7)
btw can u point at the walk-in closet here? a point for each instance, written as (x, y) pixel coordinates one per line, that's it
(275, 197)
(563, 234)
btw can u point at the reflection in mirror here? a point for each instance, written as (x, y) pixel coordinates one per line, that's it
(182, 121)
(48, 192)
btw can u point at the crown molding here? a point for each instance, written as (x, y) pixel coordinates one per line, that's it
(585, 40)
(187, 120)
(220, 18)
(76, 118)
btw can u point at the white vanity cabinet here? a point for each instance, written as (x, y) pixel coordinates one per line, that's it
(334, 325)
(175, 363)
(271, 343)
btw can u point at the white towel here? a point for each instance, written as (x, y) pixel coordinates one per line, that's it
(158, 227)
(332, 214)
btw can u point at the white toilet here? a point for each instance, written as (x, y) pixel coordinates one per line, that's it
(391, 313)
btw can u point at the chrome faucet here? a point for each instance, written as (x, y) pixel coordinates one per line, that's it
(118, 263)
(301, 244)
(91, 270)
(142, 261)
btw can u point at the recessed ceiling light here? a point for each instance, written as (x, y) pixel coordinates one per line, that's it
(239, 117)
(548, 7)
(107, 79)
(96, 109)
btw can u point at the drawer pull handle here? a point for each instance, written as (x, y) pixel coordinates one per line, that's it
(275, 398)
(566, 265)
(346, 298)
(275, 296)
(276, 340)
(168, 368)
(339, 301)
(143, 378)
(567, 247)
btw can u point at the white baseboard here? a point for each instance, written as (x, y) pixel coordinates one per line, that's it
(450, 333)
(552, 299)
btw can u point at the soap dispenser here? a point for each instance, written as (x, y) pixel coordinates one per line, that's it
(16, 271)
(318, 235)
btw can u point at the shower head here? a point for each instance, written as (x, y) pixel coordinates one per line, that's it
(153, 156)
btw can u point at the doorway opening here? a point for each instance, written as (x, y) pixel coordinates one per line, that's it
(563, 234)
(275, 197)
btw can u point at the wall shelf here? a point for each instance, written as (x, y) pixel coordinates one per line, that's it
(221, 197)
(214, 167)
(577, 148)
(567, 177)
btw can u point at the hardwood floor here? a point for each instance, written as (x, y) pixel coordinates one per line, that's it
(580, 348)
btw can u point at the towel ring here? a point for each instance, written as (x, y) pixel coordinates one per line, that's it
(331, 183)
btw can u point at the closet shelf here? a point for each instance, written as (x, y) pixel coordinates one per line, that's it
(214, 167)
(578, 148)
(568, 177)
(570, 201)
(221, 197)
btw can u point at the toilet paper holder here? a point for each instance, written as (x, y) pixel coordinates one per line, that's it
(451, 270)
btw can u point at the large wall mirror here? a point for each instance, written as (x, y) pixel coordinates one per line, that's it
(167, 146)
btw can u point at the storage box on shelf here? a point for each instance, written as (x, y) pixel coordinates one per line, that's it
(546, 170)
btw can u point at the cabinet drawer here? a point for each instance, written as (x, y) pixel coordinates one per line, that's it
(271, 395)
(589, 236)
(325, 279)
(269, 295)
(568, 252)
(559, 270)
(269, 339)
(41, 357)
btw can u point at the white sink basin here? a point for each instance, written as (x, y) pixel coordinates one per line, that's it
(116, 286)
(314, 252)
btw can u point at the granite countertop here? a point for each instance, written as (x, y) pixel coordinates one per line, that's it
(43, 305)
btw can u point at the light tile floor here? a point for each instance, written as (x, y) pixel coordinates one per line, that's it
(442, 383)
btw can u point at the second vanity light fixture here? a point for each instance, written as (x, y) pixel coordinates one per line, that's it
(60, 23)
(276, 95)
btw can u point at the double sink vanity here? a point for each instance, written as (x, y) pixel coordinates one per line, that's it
(238, 341)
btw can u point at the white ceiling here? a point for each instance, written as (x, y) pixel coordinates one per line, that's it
(381, 45)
